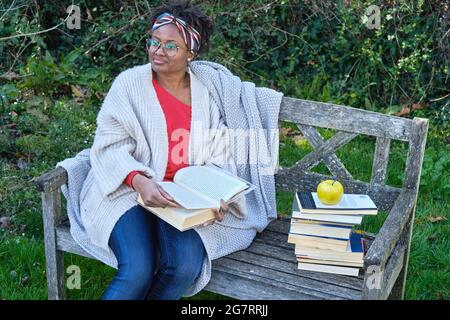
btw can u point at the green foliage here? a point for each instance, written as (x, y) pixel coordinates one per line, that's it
(319, 50)
(4, 142)
(436, 173)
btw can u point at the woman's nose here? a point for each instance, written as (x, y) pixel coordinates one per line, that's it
(159, 51)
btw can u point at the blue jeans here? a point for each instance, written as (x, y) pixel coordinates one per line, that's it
(155, 260)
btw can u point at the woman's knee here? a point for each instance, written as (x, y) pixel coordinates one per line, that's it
(182, 271)
(184, 265)
(136, 275)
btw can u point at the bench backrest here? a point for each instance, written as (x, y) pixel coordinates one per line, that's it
(349, 122)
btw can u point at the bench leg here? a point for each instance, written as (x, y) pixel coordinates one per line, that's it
(398, 290)
(54, 259)
(55, 275)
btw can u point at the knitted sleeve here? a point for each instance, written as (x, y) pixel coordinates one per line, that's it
(113, 147)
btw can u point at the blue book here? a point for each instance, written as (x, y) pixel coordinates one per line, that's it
(356, 243)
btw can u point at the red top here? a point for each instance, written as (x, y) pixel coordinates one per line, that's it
(178, 120)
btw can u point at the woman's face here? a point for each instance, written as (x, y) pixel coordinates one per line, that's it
(160, 61)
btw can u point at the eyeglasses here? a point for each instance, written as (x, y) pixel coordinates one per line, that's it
(170, 48)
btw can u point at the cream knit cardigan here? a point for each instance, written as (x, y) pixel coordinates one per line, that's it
(131, 135)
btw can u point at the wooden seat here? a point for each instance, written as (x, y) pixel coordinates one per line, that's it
(268, 265)
(268, 268)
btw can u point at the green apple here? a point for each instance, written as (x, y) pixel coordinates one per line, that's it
(330, 192)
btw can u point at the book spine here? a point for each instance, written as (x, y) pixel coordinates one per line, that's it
(306, 200)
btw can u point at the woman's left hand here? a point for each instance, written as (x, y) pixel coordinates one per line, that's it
(218, 212)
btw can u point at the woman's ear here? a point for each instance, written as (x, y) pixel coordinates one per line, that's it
(192, 56)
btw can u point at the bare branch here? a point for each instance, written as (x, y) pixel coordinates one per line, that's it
(7, 10)
(38, 32)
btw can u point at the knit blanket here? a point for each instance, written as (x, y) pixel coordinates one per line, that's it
(251, 114)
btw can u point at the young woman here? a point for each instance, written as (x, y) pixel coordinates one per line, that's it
(144, 135)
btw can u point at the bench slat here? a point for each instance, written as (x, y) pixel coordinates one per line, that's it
(220, 283)
(344, 118)
(380, 160)
(66, 243)
(325, 150)
(331, 161)
(303, 287)
(291, 267)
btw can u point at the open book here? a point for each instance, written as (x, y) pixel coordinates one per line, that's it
(198, 189)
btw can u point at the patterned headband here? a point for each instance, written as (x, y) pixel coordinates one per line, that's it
(190, 35)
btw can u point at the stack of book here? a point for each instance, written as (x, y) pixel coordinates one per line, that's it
(323, 234)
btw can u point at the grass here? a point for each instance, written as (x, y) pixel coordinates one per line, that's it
(22, 263)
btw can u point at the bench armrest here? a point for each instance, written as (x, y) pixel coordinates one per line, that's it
(390, 232)
(51, 180)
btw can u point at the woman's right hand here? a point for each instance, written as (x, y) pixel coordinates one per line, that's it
(152, 193)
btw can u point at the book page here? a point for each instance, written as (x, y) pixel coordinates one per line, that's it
(210, 182)
(179, 211)
(348, 201)
(185, 197)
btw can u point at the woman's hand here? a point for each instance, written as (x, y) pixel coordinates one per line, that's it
(152, 193)
(218, 212)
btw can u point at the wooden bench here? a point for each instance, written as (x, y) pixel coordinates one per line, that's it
(268, 269)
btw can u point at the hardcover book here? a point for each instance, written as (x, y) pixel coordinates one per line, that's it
(197, 190)
(350, 204)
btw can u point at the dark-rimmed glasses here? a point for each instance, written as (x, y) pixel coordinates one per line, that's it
(169, 48)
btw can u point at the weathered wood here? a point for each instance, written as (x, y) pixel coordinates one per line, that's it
(413, 171)
(306, 288)
(386, 275)
(54, 259)
(288, 179)
(398, 288)
(325, 150)
(248, 288)
(344, 118)
(416, 151)
(51, 180)
(331, 161)
(380, 161)
(394, 267)
(372, 290)
(391, 230)
(66, 243)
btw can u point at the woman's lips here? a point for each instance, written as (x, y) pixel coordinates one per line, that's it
(156, 61)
